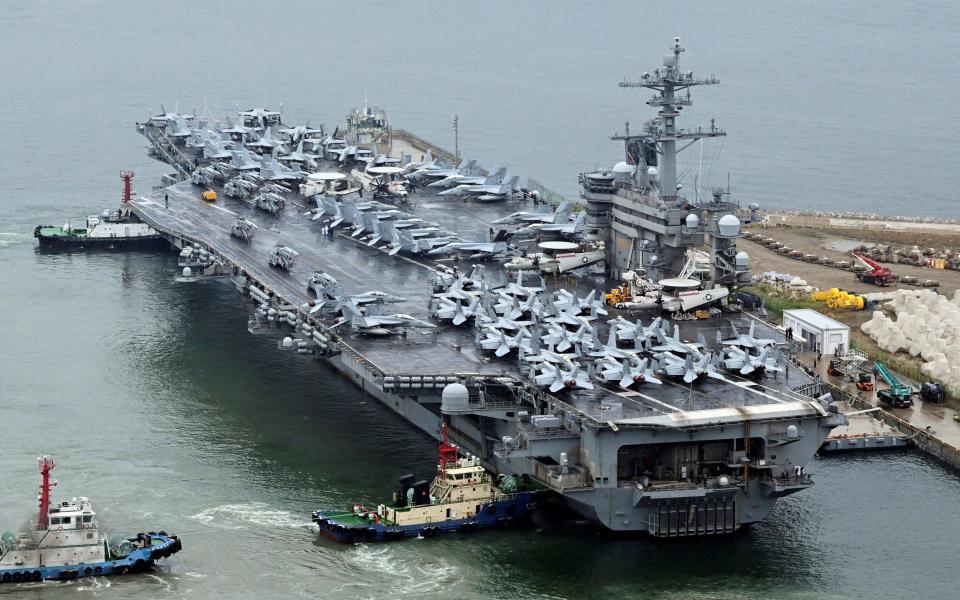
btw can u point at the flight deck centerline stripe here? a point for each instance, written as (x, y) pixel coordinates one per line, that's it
(226, 210)
(651, 399)
(758, 392)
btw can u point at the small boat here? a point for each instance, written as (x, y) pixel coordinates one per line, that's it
(462, 498)
(66, 542)
(110, 229)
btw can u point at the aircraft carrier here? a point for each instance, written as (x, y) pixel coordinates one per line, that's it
(674, 459)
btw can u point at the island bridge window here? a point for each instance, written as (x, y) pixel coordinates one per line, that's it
(694, 462)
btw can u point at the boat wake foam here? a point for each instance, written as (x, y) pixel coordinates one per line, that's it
(241, 516)
(405, 573)
(11, 238)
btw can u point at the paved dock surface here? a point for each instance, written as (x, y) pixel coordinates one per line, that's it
(445, 350)
(938, 417)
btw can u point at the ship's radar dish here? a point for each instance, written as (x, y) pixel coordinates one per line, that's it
(729, 226)
(385, 170)
(329, 176)
(622, 171)
(454, 398)
(680, 284)
(558, 246)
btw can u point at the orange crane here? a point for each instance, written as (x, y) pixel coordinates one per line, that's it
(876, 274)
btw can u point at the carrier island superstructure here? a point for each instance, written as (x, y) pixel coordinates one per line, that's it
(670, 460)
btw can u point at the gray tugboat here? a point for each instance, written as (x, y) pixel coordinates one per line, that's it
(66, 542)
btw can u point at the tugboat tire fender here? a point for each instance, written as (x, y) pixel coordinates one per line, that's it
(17, 577)
(492, 508)
(6, 578)
(371, 534)
(97, 569)
(37, 575)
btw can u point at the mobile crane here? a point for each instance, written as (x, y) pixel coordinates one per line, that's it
(876, 274)
(899, 395)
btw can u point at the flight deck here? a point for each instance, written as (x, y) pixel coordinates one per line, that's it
(180, 212)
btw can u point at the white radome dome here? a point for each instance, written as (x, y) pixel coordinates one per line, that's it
(454, 397)
(729, 225)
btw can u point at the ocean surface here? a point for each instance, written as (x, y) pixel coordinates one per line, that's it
(157, 403)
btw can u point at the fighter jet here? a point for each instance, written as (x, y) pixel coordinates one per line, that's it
(686, 368)
(560, 216)
(498, 247)
(746, 340)
(300, 132)
(513, 308)
(555, 379)
(299, 156)
(518, 289)
(485, 191)
(626, 372)
(610, 349)
(668, 344)
(428, 163)
(324, 285)
(379, 324)
(259, 117)
(468, 167)
(571, 229)
(198, 136)
(177, 128)
(242, 160)
(460, 180)
(456, 313)
(413, 240)
(166, 117)
(640, 335)
(266, 143)
(486, 316)
(237, 130)
(571, 303)
(501, 343)
(273, 170)
(564, 340)
(215, 148)
(745, 363)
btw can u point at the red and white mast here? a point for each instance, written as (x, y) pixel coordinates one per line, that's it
(127, 177)
(448, 452)
(46, 465)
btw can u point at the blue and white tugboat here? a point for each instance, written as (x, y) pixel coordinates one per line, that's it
(462, 498)
(66, 543)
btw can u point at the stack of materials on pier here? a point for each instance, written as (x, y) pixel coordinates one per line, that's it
(937, 258)
(926, 325)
